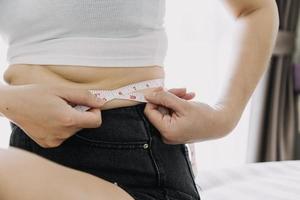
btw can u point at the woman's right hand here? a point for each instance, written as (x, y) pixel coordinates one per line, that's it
(45, 113)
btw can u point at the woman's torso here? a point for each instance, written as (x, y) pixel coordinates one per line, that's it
(76, 40)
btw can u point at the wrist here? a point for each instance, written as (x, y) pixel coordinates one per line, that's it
(226, 117)
(216, 121)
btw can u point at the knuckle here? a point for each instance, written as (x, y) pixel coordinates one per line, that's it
(67, 120)
(63, 136)
(98, 123)
(95, 124)
(146, 112)
(166, 134)
(166, 141)
(170, 138)
(41, 144)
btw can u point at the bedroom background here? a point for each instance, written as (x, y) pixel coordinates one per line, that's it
(199, 37)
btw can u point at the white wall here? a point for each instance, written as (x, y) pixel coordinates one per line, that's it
(199, 38)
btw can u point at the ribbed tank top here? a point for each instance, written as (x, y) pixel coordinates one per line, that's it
(100, 33)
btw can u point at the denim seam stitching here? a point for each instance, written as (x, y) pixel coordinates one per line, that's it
(191, 173)
(150, 144)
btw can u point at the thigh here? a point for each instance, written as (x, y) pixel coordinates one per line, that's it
(25, 176)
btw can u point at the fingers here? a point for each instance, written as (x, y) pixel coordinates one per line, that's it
(154, 115)
(81, 97)
(88, 119)
(181, 92)
(166, 99)
(189, 96)
(178, 91)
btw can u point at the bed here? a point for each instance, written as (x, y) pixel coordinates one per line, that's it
(255, 181)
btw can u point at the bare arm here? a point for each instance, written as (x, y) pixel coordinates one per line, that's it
(31, 106)
(257, 25)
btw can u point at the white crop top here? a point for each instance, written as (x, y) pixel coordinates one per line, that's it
(103, 33)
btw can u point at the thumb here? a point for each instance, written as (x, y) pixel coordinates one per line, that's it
(81, 97)
(181, 92)
(88, 119)
(166, 99)
(157, 118)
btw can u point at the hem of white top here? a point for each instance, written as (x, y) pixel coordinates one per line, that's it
(88, 61)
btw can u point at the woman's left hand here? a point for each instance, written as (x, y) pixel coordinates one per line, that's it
(180, 121)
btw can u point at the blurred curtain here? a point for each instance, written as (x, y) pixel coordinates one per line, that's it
(278, 129)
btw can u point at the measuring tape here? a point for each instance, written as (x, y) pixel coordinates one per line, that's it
(127, 92)
(130, 92)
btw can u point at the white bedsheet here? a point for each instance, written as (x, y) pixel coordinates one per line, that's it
(255, 181)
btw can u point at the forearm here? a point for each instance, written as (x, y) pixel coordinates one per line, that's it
(254, 42)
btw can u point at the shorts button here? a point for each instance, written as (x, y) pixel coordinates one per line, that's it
(146, 146)
(115, 183)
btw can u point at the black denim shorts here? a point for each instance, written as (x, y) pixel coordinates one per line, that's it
(126, 150)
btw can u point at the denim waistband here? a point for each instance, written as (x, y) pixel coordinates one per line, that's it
(123, 125)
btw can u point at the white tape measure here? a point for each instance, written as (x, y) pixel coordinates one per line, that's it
(127, 92)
